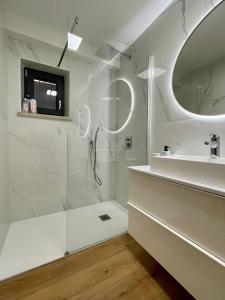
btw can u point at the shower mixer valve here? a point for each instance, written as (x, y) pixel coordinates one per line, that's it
(128, 142)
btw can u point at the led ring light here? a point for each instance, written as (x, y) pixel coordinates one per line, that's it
(89, 121)
(131, 107)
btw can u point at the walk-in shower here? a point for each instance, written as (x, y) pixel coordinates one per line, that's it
(68, 174)
(115, 123)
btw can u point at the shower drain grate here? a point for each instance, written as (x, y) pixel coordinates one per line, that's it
(105, 217)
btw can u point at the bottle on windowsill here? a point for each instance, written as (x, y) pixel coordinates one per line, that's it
(25, 105)
(33, 106)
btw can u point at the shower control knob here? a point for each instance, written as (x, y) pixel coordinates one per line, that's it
(128, 142)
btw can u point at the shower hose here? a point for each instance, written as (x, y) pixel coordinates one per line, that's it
(93, 157)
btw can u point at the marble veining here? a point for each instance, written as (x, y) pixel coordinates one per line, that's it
(12, 47)
(173, 5)
(34, 52)
(183, 9)
(32, 145)
(19, 49)
(25, 201)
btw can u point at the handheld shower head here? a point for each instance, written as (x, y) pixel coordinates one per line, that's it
(76, 20)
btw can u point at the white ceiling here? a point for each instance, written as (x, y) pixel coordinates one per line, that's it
(99, 19)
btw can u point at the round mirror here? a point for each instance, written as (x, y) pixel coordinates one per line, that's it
(118, 104)
(199, 74)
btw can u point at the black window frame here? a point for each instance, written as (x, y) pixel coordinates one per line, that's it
(30, 75)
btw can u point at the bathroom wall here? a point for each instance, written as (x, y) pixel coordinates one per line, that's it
(172, 125)
(52, 171)
(4, 163)
(38, 148)
(38, 164)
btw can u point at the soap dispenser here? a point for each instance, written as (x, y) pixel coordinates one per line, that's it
(166, 151)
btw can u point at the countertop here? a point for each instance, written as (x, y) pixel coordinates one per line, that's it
(146, 170)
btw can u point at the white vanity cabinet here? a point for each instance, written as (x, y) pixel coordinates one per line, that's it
(182, 227)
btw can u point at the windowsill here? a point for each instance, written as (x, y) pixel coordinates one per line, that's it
(42, 116)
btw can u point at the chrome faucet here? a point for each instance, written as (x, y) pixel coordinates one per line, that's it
(214, 144)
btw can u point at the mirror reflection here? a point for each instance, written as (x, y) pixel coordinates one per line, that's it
(199, 74)
(117, 101)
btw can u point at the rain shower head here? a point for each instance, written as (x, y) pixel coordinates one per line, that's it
(108, 52)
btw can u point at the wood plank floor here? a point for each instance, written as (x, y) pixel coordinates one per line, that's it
(116, 269)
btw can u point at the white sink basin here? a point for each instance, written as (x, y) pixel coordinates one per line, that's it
(197, 169)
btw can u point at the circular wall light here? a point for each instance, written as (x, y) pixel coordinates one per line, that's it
(87, 109)
(131, 106)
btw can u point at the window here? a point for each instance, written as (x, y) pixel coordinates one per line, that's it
(47, 89)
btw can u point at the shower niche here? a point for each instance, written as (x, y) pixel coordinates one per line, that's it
(47, 86)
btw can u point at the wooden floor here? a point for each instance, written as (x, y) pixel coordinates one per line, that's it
(117, 269)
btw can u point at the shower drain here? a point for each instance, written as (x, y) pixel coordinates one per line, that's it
(104, 217)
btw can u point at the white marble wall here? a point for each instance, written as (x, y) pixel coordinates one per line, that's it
(4, 149)
(38, 148)
(49, 160)
(163, 41)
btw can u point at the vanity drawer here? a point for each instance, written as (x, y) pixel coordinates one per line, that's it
(198, 215)
(183, 261)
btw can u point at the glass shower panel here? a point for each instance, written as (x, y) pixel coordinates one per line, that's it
(107, 133)
(35, 169)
